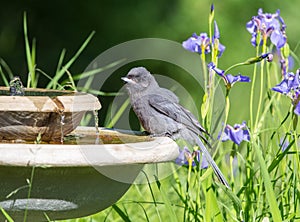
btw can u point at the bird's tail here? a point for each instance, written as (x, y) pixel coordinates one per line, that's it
(213, 164)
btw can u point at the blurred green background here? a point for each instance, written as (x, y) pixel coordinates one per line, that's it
(66, 24)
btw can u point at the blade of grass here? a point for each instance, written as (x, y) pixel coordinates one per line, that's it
(264, 114)
(237, 203)
(34, 78)
(3, 77)
(16, 191)
(71, 80)
(47, 217)
(30, 182)
(279, 157)
(96, 71)
(212, 211)
(7, 217)
(88, 83)
(61, 72)
(110, 210)
(90, 75)
(47, 76)
(152, 195)
(144, 210)
(7, 70)
(121, 213)
(30, 55)
(99, 93)
(60, 61)
(167, 203)
(268, 185)
(118, 114)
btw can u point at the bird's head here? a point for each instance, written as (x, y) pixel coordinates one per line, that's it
(138, 80)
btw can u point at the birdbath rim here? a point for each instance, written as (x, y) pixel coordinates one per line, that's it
(47, 100)
(155, 150)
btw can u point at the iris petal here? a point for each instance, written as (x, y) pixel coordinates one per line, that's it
(270, 25)
(237, 133)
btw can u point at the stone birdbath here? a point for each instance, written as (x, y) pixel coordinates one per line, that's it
(46, 174)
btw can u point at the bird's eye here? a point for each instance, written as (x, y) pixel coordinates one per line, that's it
(133, 76)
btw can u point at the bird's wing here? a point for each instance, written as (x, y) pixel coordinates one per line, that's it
(176, 112)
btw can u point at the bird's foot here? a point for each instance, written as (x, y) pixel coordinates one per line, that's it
(160, 134)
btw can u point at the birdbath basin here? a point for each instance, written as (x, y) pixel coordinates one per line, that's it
(75, 179)
(48, 114)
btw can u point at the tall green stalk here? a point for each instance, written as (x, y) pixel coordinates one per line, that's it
(261, 91)
(30, 57)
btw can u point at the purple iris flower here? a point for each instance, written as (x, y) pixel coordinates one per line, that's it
(290, 82)
(202, 42)
(229, 79)
(237, 133)
(269, 25)
(196, 43)
(185, 155)
(290, 86)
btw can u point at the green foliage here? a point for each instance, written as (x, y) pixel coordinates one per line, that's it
(263, 174)
(6, 215)
(62, 71)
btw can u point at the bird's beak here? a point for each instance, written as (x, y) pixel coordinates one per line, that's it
(127, 80)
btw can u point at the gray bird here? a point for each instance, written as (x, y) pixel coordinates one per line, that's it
(160, 113)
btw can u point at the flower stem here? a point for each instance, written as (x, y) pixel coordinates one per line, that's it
(234, 66)
(252, 91)
(227, 108)
(261, 91)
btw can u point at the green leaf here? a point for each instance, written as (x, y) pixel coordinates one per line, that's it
(7, 70)
(121, 213)
(96, 71)
(212, 210)
(118, 114)
(3, 77)
(167, 203)
(8, 218)
(279, 157)
(63, 70)
(30, 56)
(204, 106)
(268, 185)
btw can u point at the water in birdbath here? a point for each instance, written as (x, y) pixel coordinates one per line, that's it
(82, 137)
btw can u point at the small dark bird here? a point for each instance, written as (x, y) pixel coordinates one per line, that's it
(160, 113)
